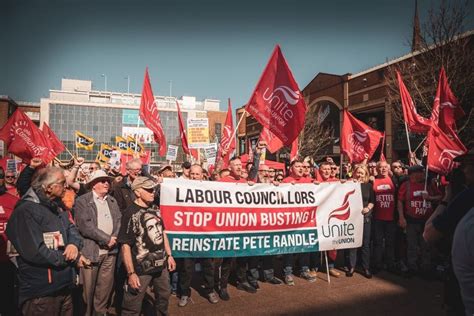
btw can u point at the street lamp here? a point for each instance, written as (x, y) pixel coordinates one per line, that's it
(105, 79)
(128, 83)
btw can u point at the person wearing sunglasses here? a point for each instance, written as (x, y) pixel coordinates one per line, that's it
(98, 219)
(146, 251)
(10, 182)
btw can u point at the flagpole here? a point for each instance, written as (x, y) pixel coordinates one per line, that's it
(327, 266)
(235, 129)
(408, 137)
(419, 145)
(70, 153)
(138, 126)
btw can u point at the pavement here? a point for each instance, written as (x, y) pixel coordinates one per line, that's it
(384, 294)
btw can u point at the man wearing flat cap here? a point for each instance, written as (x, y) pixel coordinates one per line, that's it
(146, 251)
(98, 219)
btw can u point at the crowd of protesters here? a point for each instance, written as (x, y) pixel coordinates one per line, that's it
(83, 240)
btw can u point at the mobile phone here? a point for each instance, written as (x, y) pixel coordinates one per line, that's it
(130, 289)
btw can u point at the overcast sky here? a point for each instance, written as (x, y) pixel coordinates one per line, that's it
(208, 49)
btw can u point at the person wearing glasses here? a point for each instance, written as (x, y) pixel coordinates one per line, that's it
(10, 182)
(307, 169)
(98, 220)
(146, 251)
(372, 166)
(48, 244)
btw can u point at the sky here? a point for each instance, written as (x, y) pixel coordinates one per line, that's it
(209, 49)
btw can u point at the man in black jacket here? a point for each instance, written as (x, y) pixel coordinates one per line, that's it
(48, 245)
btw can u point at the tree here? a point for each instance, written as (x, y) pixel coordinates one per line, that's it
(443, 43)
(316, 139)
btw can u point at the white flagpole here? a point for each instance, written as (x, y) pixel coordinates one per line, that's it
(327, 266)
(408, 137)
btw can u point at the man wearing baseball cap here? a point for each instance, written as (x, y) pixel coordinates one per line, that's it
(146, 250)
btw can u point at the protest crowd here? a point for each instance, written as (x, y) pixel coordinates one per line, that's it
(82, 238)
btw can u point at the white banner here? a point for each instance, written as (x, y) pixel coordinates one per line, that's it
(287, 218)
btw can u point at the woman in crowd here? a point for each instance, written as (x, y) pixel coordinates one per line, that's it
(361, 174)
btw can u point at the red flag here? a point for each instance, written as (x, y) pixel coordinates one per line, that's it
(382, 156)
(415, 122)
(442, 149)
(149, 114)
(446, 108)
(273, 142)
(184, 137)
(358, 139)
(227, 141)
(55, 145)
(277, 102)
(294, 149)
(24, 139)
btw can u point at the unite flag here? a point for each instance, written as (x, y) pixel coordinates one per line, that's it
(273, 142)
(24, 139)
(83, 141)
(150, 116)
(442, 149)
(358, 139)
(446, 109)
(415, 122)
(227, 141)
(277, 102)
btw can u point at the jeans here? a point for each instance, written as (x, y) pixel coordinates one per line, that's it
(288, 262)
(384, 231)
(186, 271)
(174, 281)
(414, 241)
(132, 303)
(59, 303)
(222, 267)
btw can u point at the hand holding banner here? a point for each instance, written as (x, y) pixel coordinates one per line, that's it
(214, 219)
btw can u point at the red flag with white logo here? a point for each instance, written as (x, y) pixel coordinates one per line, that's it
(415, 122)
(150, 116)
(446, 107)
(24, 139)
(358, 139)
(277, 102)
(273, 142)
(294, 150)
(55, 145)
(227, 140)
(442, 149)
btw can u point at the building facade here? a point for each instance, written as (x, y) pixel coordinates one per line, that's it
(103, 115)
